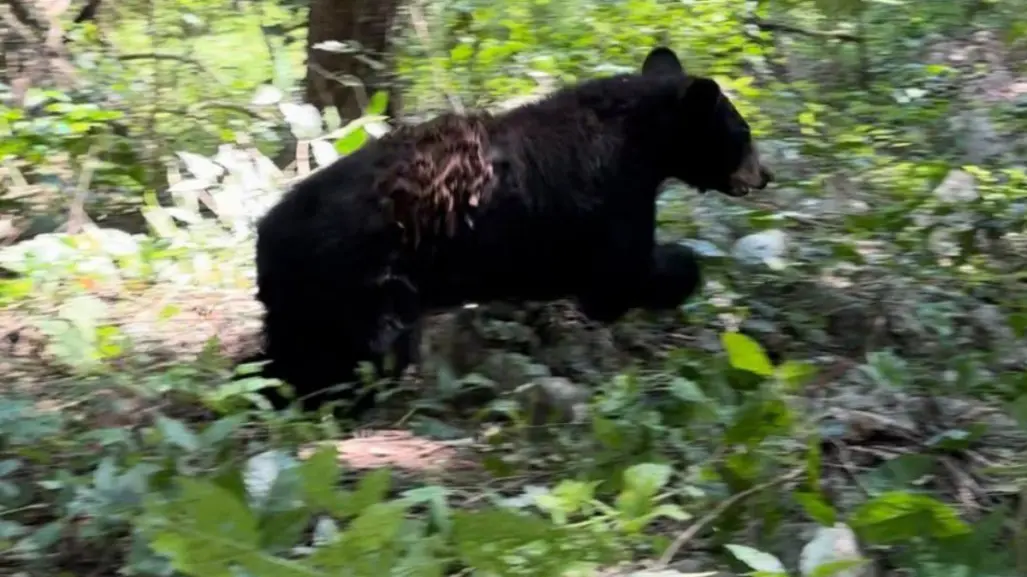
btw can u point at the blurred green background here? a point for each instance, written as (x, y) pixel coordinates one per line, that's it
(857, 356)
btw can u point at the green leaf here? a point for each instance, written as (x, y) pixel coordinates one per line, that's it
(9, 530)
(439, 509)
(632, 505)
(575, 494)
(371, 490)
(647, 478)
(794, 374)
(282, 530)
(221, 429)
(817, 508)
(1018, 323)
(758, 419)
(106, 474)
(178, 434)
(285, 495)
(670, 511)
(379, 101)
(814, 461)
(259, 565)
(688, 391)
(607, 432)
(834, 568)
(484, 538)
(204, 531)
(886, 369)
(976, 551)
(319, 478)
(168, 311)
(44, 538)
(746, 354)
(567, 498)
(353, 135)
(351, 142)
(1018, 409)
(377, 526)
(758, 560)
(425, 558)
(900, 472)
(231, 479)
(272, 480)
(505, 543)
(368, 546)
(900, 516)
(8, 466)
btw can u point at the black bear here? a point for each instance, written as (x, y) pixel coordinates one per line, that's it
(554, 199)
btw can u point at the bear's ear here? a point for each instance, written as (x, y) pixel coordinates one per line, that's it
(703, 95)
(662, 60)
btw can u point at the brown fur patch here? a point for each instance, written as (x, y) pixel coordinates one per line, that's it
(441, 169)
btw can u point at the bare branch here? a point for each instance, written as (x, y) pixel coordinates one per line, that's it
(788, 28)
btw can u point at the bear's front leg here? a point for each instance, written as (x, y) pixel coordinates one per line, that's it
(313, 360)
(400, 349)
(674, 276)
(620, 267)
(315, 341)
(397, 342)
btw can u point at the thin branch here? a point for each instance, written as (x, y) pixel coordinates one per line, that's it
(172, 57)
(788, 28)
(690, 533)
(26, 15)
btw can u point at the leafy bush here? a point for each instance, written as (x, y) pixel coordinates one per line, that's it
(849, 392)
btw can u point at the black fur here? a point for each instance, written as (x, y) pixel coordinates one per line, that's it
(571, 214)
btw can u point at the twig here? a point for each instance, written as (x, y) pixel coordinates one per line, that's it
(25, 16)
(845, 462)
(77, 216)
(170, 57)
(690, 533)
(779, 27)
(968, 490)
(272, 57)
(227, 107)
(303, 157)
(347, 80)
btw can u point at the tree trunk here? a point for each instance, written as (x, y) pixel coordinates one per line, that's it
(362, 25)
(32, 52)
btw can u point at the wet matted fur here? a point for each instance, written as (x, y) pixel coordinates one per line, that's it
(440, 170)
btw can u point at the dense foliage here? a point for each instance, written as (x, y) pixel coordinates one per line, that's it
(858, 359)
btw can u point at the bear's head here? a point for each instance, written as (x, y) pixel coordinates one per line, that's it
(712, 143)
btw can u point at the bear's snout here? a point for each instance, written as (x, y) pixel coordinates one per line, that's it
(750, 175)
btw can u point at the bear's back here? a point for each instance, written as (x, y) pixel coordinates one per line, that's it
(564, 167)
